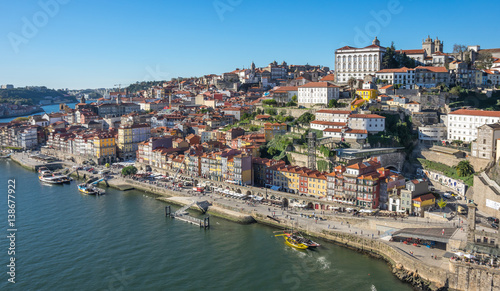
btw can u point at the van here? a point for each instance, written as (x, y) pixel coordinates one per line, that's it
(461, 210)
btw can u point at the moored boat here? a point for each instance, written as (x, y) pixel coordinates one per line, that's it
(49, 178)
(90, 189)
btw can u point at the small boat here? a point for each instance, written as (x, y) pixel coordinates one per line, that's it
(309, 243)
(292, 242)
(49, 178)
(90, 189)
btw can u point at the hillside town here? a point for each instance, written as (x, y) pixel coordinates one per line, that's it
(386, 130)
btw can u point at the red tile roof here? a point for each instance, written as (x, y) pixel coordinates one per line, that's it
(318, 85)
(330, 77)
(476, 113)
(356, 131)
(410, 52)
(331, 111)
(434, 69)
(328, 123)
(365, 116)
(398, 70)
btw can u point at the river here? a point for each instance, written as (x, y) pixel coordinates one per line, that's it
(47, 108)
(123, 241)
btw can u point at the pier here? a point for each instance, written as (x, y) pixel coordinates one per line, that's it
(182, 215)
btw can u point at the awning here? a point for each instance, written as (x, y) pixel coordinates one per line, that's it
(275, 188)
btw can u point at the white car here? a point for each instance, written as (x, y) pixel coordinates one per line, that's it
(447, 195)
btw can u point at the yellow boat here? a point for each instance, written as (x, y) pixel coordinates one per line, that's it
(293, 243)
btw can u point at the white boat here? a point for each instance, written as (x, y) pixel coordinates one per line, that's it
(48, 178)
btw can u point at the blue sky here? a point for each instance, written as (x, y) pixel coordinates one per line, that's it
(90, 44)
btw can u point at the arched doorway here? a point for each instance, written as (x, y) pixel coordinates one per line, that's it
(285, 203)
(249, 192)
(238, 191)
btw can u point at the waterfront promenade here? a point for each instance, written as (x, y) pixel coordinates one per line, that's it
(356, 232)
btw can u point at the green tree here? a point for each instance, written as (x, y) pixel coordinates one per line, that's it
(306, 118)
(254, 128)
(332, 103)
(130, 170)
(456, 90)
(389, 60)
(107, 165)
(259, 111)
(294, 98)
(442, 204)
(270, 102)
(464, 168)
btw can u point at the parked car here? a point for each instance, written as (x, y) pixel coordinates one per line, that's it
(493, 219)
(447, 195)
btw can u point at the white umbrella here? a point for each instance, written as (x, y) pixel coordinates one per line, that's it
(460, 254)
(469, 256)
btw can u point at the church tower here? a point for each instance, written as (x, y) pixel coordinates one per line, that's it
(438, 45)
(428, 46)
(376, 42)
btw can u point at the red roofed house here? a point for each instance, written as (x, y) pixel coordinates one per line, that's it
(361, 184)
(463, 124)
(193, 139)
(429, 77)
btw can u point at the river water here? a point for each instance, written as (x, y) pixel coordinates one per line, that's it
(123, 241)
(47, 108)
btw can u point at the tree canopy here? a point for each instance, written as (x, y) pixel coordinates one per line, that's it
(306, 118)
(130, 170)
(392, 59)
(464, 168)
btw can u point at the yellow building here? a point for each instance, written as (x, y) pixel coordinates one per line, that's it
(422, 203)
(274, 129)
(367, 94)
(125, 144)
(316, 183)
(105, 148)
(356, 103)
(178, 163)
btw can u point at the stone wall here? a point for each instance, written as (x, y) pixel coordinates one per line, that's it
(296, 113)
(437, 177)
(458, 276)
(482, 193)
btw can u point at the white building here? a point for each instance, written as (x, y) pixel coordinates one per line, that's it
(372, 123)
(358, 62)
(462, 124)
(332, 115)
(349, 134)
(432, 133)
(493, 77)
(321, 125)
(28, 138)
(317, 93)
(412, 106)
(402, 76)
